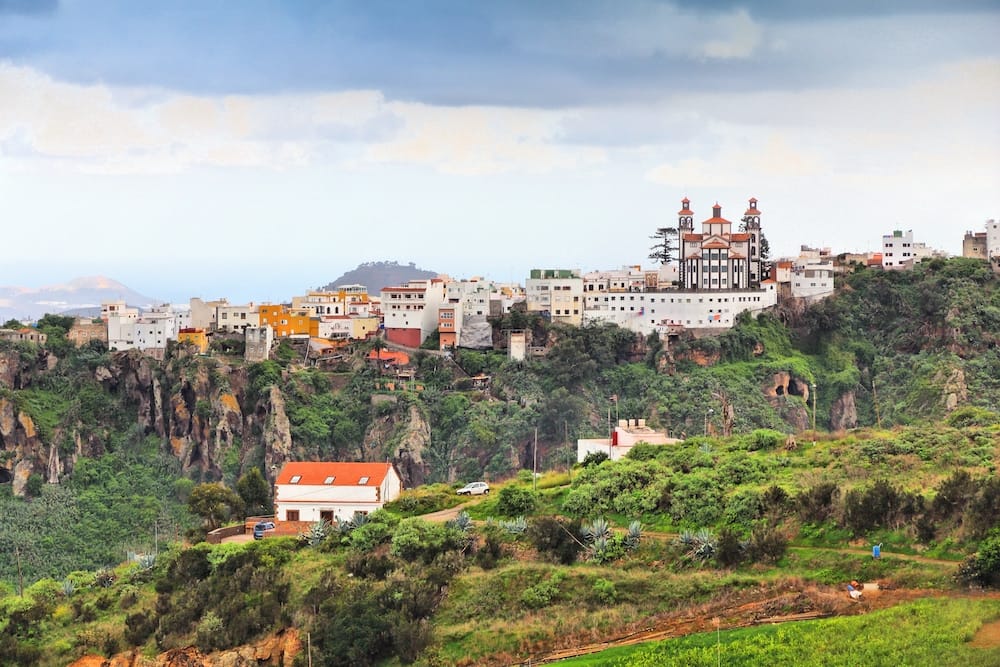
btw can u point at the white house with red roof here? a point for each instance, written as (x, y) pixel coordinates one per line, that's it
(718, 258)
(316, 490)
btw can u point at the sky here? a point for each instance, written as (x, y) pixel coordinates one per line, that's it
(257, 149)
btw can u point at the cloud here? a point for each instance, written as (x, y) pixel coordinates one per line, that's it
(104, 129)
(481, 140)
(534, 55)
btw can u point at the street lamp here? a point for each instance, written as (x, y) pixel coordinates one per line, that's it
(813, 386)
(707, 414)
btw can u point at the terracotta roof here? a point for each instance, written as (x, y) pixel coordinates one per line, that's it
(400, 358)
(736, 255)
(315, 473)
(693, 237)
(740, 236)
(715, 220)
(715, 245)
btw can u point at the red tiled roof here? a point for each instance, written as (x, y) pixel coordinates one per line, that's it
(693, 237)
(400, 358)
(715, 220)
(736, 255)
(315, 473)
(715, 245)
(740, 236)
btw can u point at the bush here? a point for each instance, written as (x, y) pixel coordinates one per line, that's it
(767, 544)
(764, 439)
(594, 459)
(970, 415)
(555, 538)
(815, 505)
(515, 501)
(983, 568)
(604, 591)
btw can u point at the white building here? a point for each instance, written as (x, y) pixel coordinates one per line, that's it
(667, 310)
(812, 274)
(900, 251)
(626, 435)
(992, 238)
(148, 332)
(121, 324)
(410, 311)
(318, 491)
(236, 319)
(557, 292)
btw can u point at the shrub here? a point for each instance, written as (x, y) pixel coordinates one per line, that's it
(139, 627)
(983, 568)
(515, 501)
(815, 504)
(971, 415)
(767, 544)
(764, 439)
(604, 591)
(555, 538)
(369, 566)
(729, 549)
(418, 539)
(594, 459)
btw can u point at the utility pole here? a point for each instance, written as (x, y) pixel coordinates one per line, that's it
(20, 576)
(534, 465)
(878, 415)
(814, 406)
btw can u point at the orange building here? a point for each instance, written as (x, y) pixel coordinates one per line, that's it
(286, 321)
(196, 337)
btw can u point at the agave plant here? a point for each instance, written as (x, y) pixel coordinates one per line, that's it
(634, 535)
(462, 521)
(359, 519)
(145, 561)
(515, 526)
(595, 529)
(316, 533)
(68, 587)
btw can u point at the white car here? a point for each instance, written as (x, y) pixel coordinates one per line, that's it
(475, 489)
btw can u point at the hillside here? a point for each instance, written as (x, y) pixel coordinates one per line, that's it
(103, 452)
(376, 275)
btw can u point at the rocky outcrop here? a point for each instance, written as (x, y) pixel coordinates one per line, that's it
(784, 384)
(954, 390)
(408, 455)
(276, 431)
(279, 650)
(843, 412)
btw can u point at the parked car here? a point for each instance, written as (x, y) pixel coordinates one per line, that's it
(260, 528)
(475, 489)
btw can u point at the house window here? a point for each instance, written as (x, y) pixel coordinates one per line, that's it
(363, 480)
(291, 515)
(329, 480)
(326, 515)
(295, 479)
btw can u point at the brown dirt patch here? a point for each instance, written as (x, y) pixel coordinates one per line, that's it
(792, 600)
(988, 636)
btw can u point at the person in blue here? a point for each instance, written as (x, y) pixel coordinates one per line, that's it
(877, 551)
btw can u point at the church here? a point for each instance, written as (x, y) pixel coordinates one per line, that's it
(718, 258)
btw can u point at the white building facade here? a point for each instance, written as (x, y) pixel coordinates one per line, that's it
(812, 274)
(410, 311)
(332, 491)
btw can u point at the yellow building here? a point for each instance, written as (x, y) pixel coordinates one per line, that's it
(286, 321)
(196, 337)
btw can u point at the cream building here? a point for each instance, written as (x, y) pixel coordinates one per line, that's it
(557, 292)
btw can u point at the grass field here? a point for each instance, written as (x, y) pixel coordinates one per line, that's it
(934, 631)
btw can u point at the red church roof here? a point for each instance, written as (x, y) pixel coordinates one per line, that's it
(315, 473)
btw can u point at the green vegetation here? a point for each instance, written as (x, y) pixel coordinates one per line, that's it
(927, 632)
(145, 452)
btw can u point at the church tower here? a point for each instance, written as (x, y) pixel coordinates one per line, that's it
(751, 225)
(685, 225)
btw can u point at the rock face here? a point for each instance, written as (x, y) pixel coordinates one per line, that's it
(843, 412)
(954, 391)
(278, 650)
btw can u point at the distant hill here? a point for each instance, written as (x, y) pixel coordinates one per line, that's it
(79, 296)
(376, 275)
